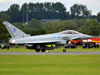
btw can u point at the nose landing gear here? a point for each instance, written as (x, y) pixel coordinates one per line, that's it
(64, 50)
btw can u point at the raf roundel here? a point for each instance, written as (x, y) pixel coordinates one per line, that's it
(14, 29)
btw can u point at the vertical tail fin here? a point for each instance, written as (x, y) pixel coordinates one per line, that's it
(14, 31)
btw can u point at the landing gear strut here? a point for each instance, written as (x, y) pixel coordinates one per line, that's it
(37, 50)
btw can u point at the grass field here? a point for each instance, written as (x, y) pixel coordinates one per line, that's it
(49, 64)
(79, 49)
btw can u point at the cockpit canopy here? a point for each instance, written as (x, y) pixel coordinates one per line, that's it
(69, 32)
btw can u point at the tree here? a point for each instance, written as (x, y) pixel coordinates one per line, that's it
(79, 10)
(24, 11)
(3, 32)
(14, 13)
(2, 28)
(18, 25)
(80, 22)
(45, 10)
(91, 27)
(69, 25)
(98, 17)
(35, 24)
(48, 26)
(5, 17)
(58, 26)
(35, 31)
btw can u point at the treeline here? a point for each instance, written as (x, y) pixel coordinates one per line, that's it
(36, 27)
(91, 26)
(46, 10)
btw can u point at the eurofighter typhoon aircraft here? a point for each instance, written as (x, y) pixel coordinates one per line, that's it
(41, 42)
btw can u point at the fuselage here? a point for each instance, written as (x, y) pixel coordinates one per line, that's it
(59, 37)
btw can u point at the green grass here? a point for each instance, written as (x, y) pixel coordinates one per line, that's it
(23, 49)
(49, 64)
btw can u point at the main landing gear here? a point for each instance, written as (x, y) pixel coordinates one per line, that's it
(38, 50)
(43, 50)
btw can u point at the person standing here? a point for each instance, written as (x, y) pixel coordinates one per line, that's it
(16, 46)
(7, 47)
(97, 45)
(2, 46)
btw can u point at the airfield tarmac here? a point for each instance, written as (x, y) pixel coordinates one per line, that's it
(48, 53)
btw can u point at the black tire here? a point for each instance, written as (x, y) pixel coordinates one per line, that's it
(75, 47)
(37, 50)
(43, 50)
(64, 50)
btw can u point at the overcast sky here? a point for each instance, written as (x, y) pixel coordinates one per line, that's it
(93, 5)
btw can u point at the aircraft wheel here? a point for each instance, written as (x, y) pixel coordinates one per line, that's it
(43, 50)
(64, 50)
(37, 50)
(76, 47)
(87, 47)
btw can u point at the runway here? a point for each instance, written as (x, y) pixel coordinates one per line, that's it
(48, 53)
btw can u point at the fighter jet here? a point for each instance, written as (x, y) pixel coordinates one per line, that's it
(43, 42)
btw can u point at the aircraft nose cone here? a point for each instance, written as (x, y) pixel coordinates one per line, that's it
(84, 36)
